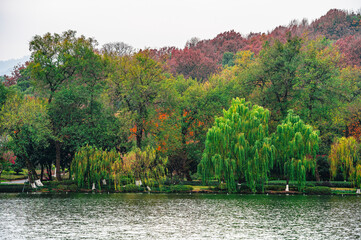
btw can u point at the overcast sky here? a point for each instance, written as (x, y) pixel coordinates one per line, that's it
(149, 23)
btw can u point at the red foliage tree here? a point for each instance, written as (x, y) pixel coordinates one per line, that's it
(230, 41)
(351, 48)
(192, 63)
(337, 24)
(16, 74)
(161, 54)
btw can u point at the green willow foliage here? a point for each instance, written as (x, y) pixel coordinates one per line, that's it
(146, 165)
(237, 147)
(297, 146)
(92, 165)
(344, 154)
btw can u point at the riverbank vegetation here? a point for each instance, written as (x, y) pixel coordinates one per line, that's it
(236, 112)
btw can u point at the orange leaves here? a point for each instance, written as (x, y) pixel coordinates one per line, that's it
(354, 128)
(163, 116)
(134, 129)
(133, 132)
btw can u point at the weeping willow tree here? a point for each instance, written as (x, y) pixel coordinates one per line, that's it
(92, 165)
(297, 146)
(237, 147)
(344, 155)
(146, 165)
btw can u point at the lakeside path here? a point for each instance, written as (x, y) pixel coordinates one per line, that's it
(21, 181)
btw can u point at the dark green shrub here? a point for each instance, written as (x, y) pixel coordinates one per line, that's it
(191, 183)
(18, 168)
(243, 188)
(274, 187)
(68, 182)
(317, 190)
(323, 167)
(14, 188)
(338, 184)
(309, 184)
(162, 188)
(181, 188)
(62, 187)
(341, 184)
(73, 187)
(131, 188)
(126, 180)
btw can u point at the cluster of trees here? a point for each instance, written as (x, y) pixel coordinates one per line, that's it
(92, 166)
(72, 94)
(240, 148)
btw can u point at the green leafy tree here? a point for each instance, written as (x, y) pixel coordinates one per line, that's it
(27, 125)
(238, 147)
(321, 91)
(297, 146)
(136, 83)
(58, 60)
(3, 94)
(227, 59)
(345, 155)
(196, 106)
(277, 78)
(80, 120)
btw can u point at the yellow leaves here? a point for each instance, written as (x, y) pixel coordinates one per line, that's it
(244, 59)
(344, 154)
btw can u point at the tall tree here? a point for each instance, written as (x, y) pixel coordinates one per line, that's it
(238, 147)
(27, 123)
(278, 76)
(57, 60)
(320, 88)
(297, 146)
(345, 155)
(136, 84)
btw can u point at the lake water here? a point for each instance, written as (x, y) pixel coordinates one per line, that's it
(183, 216)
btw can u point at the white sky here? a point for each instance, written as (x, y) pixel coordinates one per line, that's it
(149, 23)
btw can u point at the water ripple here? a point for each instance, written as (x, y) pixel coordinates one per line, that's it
(172, 216)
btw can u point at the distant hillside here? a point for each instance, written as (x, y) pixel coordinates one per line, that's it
(201, 58)
(7, 66)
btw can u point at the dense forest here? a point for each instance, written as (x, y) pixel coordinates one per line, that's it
(279, 105)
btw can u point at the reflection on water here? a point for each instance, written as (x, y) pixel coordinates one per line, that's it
(171, 216)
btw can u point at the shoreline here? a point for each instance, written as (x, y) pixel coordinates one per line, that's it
(56, 189)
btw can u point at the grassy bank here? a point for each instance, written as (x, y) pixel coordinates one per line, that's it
(11, 175)
(274, 187)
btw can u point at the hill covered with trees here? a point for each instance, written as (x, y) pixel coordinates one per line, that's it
(293, 93)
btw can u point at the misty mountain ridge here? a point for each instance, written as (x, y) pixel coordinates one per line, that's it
(6, 66)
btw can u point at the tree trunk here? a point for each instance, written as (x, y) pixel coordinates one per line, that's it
(139, 134)
(31, 171)
(49, 172)
(317, 175)
(57, 160)
(42, 172)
